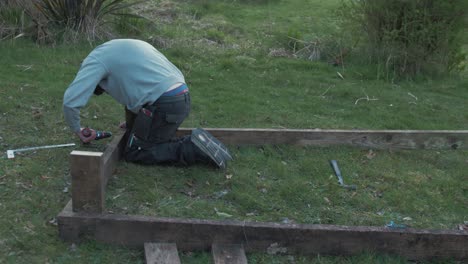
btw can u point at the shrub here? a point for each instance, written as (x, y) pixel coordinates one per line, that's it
(410, 37)
(11, 21)
(81, 15)
(47, 19)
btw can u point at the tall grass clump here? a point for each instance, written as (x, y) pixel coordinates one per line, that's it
(12, 19)
(408, 38)
(51, 20)
(84, 16)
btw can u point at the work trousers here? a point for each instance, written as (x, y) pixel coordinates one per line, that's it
(152, 133)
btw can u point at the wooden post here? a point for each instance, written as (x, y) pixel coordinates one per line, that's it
(90, 172)
(88, 186)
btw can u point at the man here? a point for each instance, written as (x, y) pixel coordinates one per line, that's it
(156, 100)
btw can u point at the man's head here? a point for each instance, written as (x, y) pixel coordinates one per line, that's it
(98, 90)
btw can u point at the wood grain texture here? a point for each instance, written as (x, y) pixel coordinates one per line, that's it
(87, 181)
(196, 234)
(90, 172)
(228, 254)
(161, 253)
(376, 139)
(113, 154)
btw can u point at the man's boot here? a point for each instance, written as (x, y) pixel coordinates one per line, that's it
(211, 146)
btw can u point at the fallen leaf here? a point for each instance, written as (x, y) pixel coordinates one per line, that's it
(189, 183)
(53, 221)
(222, 214)
(370, 154)
(327, 200)
(44, 177)
(407, 218)
(340, 75)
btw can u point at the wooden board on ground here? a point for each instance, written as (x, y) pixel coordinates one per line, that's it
(161, 253)
(305, 239)
(376, 139)
(228, 254)
(84, 218)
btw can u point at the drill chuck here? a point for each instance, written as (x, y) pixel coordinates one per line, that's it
(99, 134)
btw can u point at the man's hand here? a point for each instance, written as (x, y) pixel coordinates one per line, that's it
(89, 138)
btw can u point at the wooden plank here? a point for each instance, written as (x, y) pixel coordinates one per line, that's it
(376, 139)
(113, 154)
(228, 254)
(87, 181)
(306, 239)
(161, 253)
(90, 172)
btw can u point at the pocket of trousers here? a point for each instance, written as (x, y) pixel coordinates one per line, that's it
(143, 122)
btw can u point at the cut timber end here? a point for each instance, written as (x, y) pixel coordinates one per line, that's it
(228, 254)
(161, 253)
(86, 153)
(304, 239)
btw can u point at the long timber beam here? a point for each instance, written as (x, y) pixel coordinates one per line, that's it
(304, 239)
(377, 139)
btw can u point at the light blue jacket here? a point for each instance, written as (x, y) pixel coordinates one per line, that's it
(132, 71)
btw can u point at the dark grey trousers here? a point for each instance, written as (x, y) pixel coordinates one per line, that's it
(151, 134)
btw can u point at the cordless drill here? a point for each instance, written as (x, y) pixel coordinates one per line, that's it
(99, 134)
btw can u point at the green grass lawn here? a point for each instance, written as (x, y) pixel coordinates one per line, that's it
(222, 47)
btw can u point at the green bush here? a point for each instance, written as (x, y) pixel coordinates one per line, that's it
(49, 20)
(11, 21)
(410, 37)
(81, 15)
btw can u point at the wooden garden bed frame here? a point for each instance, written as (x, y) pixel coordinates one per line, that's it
(85, 215)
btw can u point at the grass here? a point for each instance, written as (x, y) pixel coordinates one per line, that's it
(222, 47)
(278, 184)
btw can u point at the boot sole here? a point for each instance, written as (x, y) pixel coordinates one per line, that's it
(211, 146)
